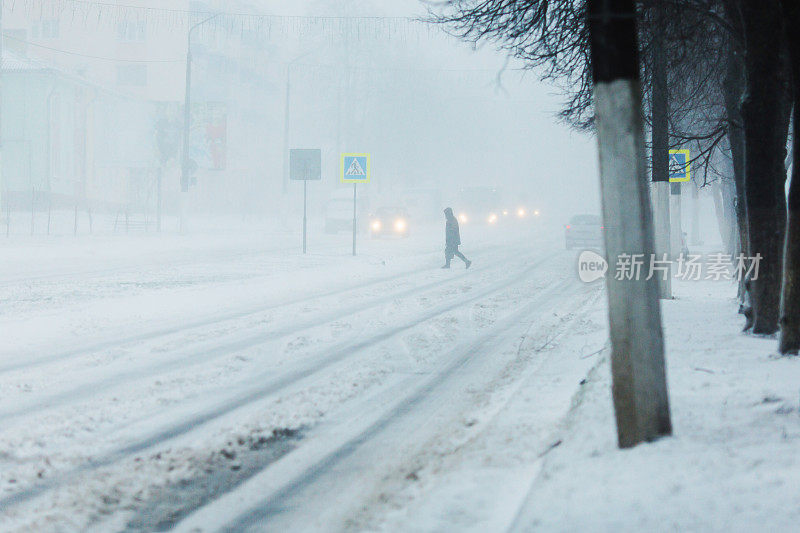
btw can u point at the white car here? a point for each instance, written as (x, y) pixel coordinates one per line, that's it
(388, 221)
(339, 211)
(584, 230)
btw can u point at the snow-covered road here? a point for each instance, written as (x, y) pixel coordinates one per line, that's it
(228, 382)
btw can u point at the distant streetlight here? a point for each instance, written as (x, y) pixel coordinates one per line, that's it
(286, 117)
(187, 101)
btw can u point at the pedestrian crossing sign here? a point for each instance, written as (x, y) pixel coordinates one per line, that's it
(355, 168)
(680, 166)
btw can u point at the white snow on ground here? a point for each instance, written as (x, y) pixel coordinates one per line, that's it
(139, 369)
(732, 464)
(479, 483)
(379, 453)
(227, 381)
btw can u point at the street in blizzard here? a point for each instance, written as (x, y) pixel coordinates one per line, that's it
(476, 265)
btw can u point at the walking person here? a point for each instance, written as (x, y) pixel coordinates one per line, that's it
(452, 240)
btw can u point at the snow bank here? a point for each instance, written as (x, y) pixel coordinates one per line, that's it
(732, 464)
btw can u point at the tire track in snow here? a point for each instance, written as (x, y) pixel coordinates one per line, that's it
(27, 363)
(506, 388)
(203, 355)
(328, 358)
(159, 260)
(287, 491)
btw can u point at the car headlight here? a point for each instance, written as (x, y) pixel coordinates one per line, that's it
(400, 225)
(376, 225)
(462, 218)
(492, 218)
(536, 213)
(505, 212)
(521, 212)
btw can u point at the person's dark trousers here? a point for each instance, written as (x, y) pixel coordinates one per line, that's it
(449, 253)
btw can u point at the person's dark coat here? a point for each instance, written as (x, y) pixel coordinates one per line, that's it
(452, 233)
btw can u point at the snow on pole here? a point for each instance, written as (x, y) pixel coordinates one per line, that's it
(639, 388)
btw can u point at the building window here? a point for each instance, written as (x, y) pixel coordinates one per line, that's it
(132, 75)
(132, 31)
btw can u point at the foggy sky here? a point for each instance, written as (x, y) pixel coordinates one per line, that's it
(441, 129)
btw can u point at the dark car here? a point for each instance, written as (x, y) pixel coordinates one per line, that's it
(584, 230)
(388, 221)
(479, 206)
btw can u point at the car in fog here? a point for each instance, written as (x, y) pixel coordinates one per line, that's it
(519, 207)
(389, 221)
(488, 206)
(519, 213)
(424, 205)
(339, 210)
(338, 215)
(479, 206)
(584, 230)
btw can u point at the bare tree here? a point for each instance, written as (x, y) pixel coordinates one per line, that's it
(726, 75)
(765, 113)
(550, 36)
(790, 312)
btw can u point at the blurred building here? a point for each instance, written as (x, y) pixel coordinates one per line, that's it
(70, 142)
(93, 108)
(143, 54)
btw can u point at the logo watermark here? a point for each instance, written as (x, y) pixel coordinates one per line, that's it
(687, 267)
(591, 266)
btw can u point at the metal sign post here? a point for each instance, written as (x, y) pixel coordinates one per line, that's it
(680, 171)
(355, 225)
(355, 169)
(305, 211)
(305, 166)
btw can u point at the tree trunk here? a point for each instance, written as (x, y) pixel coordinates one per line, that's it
(734, 89)
(765, 131)
(790, 312)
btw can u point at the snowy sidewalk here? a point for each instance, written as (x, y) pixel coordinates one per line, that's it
(733, 462)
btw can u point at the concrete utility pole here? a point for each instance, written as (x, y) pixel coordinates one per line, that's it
(696, 239)
(660, 159)
(187, 107)
(639, 387)
(287, 121)
(676, 228)
(286, 118)
(187, 124)
(8, 209)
